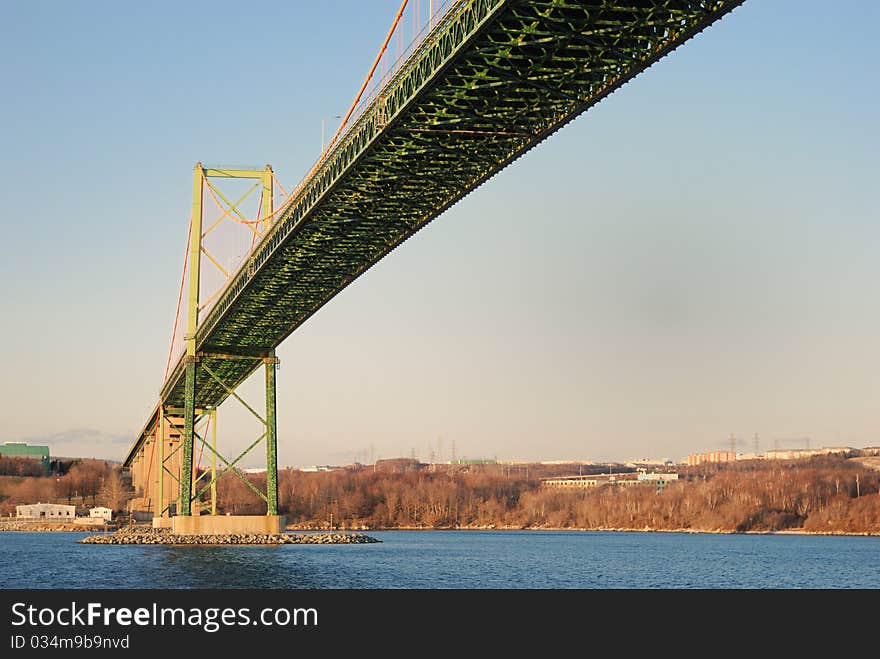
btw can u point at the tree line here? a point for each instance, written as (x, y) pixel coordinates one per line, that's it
(82, 482)
(821, 494)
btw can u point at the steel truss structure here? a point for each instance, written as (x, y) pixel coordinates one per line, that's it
(492, 79)
(168, 416)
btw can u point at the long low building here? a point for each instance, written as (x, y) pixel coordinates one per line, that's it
(45, 511)
(657, 476)
(574, 481)
(622, 480)
(795, 453)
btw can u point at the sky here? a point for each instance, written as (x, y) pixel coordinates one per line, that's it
(695, 257)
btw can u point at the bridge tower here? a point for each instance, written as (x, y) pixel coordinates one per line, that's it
(182, 423)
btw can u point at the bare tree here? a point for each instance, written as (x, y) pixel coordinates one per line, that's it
(114, 494)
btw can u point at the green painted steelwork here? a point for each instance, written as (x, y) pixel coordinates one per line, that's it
(189, 421)
(189, 398)
(213, 462)
(271, 438)
(230, 466)
(195, 260)
(492, 80)
(213, 172)
(196, 360)
(512, 73)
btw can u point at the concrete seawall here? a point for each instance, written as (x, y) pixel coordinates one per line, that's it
(227, 525)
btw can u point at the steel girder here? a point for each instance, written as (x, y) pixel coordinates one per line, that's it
(492, 80)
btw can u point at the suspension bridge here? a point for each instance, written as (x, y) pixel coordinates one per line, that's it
(483, 83)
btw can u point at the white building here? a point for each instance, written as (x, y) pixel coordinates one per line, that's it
(45, 511)
(657, 476)
(795, 453)
(102, 513)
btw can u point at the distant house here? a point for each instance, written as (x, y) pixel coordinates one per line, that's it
(38, 510)
(102, 513)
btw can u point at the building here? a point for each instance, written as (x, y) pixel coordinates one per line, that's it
(23, 450)
(795, 453)
(38, 510)
(625, 481)
(650, 462)
(101, 513)
(572, 482)
(657, 477)
(695, 459)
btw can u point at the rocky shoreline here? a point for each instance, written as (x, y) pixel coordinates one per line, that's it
(163, 537)
(604, 529)
(346, 537)
(36, 526)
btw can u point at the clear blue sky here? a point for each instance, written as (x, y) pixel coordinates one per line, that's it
(697, 256)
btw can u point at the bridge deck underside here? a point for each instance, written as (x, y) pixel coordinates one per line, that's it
(497, 77)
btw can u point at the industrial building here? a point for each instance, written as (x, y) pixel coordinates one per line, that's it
(574, 481)
(695, 459)
(100, 512)
(795, 453)
(23, 450)
(45, 511)
(623, 480)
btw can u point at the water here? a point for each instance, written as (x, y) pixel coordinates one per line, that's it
(454, 559)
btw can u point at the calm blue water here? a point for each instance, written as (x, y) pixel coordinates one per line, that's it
(454, 559)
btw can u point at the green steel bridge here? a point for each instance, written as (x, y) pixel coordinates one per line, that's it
(491, 80)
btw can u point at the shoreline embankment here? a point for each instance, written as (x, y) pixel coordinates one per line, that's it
(35, 526)
(597, 529)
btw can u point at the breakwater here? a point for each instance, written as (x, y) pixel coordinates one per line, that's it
(163, 537)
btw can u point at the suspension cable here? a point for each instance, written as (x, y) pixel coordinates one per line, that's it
(179, 301)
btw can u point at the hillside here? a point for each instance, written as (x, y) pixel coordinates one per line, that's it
(821, 494)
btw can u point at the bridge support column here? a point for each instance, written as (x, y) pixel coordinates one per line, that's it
(214, 461)
(189, 394)
(159, 507)
(189, 422)
(271, 438)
